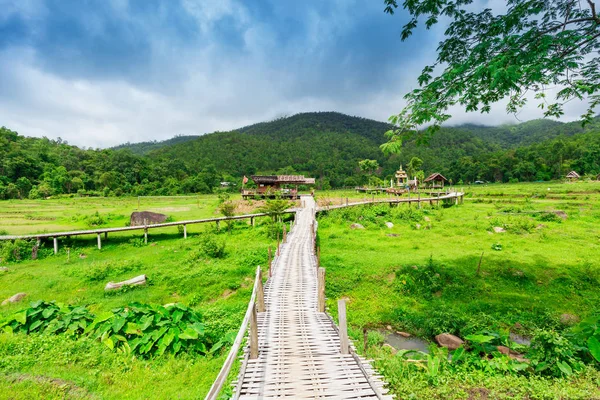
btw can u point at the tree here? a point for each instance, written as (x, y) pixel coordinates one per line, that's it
(368, 166)
(414, 165)
(531, 48)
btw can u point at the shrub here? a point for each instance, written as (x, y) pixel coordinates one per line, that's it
(212, 247)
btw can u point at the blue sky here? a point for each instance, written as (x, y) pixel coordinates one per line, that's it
(103, 72)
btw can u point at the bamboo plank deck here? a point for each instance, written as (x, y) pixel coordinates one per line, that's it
(299, 347)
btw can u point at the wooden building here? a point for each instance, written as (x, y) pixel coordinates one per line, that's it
(270, 186)
(573, 176)
(435, 181)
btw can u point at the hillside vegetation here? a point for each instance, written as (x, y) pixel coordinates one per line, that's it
(325, 145)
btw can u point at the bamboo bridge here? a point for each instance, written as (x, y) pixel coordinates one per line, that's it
(294, 349)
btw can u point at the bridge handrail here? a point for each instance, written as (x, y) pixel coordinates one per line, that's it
(453, 195)
(218, 383)
(132, 228)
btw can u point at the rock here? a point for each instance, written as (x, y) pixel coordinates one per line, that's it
(512, 354)
(560, 214)
(389, 346)
(417, 226)
(426, 219)
(518, 273)
(356, 226)
(498, 229)
(392, 235)
(568, 319)
(82, 256)
(138, 280)
(389, 327)
(14, 299)
(449, 341)
(404, 334)
(389, 225)
(140, 218)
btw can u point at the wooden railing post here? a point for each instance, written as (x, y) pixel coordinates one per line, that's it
(55, 245)
(184, 231)
(321, 290)
(253, 333)
(260, 292)
(284, 232)
(343, 324)
(270, 262)
(99, 242)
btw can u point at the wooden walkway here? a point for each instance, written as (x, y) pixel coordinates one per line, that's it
(299, 348)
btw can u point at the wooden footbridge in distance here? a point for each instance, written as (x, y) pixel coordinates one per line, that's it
(295, 350)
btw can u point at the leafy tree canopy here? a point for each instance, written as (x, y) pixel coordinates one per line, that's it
(533, 47)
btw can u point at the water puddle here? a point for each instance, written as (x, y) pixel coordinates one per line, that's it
(400, 342)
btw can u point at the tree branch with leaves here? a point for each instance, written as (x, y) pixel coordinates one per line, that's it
(534, 47)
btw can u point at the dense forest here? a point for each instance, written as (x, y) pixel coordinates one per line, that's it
(324, 145)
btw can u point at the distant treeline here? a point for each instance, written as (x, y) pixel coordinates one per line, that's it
(327, 146)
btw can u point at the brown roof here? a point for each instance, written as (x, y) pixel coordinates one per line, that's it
(436, 177)
(289, 179)
(572, 174)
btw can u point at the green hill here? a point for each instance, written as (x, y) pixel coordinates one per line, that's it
(324, 145)
(142, 148)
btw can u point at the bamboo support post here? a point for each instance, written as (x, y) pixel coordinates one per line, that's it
(270, 264)
(277, 248)
(318, 256)
(252, 221)
(99, 242)
(260, 293)
(253, 333)
(218, 226)
(105, 235)
(184, 231)
(343, 324)
(145, 235)
(321, 290)
(55, 245)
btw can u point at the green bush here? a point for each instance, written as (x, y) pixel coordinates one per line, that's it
(211, 246)
(140, 329)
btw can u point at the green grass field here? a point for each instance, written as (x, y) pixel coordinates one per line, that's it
(420, 280)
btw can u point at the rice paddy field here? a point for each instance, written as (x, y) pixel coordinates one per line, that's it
(515, 259)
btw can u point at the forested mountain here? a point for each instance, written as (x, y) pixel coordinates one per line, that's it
(142, 148)
(325, 145)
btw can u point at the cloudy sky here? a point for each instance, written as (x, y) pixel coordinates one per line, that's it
(102, 72)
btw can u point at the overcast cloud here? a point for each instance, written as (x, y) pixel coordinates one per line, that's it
(99, 73)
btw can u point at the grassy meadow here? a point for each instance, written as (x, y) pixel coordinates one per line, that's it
(422, 276)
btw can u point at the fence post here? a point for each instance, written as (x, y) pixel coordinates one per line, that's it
(284, 233)
(343, 324)
(99, 242)
(253, 333)
(318, 255)
(218, 226)
(145, 231)
(55, 245)
(260, 293)
(321, 290)
(270, 264)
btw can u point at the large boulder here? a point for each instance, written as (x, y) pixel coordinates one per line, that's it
(449, 341)
(569, 319)
(141, 218)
